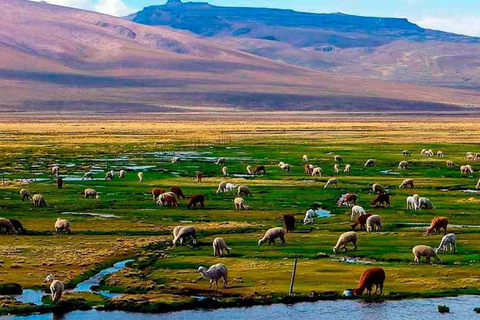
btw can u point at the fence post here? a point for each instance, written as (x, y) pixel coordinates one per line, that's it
(292, 281)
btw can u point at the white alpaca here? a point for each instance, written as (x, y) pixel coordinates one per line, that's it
(56, 288)
(214, 273)
(140, 176)
(357, 211)
(449, 242)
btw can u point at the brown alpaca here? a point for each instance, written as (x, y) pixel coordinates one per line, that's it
(199, 177)
(382, 199)
(370, 277)
(260, 169)
(169, 201)
(288, 222)
(437, 224)
(178, 192)
(7, 225)
(59, 183)
(350, 199)
(196, 199)
(156, 192)
(362, 221)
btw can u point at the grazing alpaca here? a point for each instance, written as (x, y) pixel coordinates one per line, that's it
(273, 234)
(167, 200)
(350, 199)
(220, 247)
(88, 175)
(56, 288)
(357, 211)
(305, 158)
(336, 168)
(196, 199)
(407, 184)
(338, 158)
(437, 224)
(183, 233)
(90, 193)
(176, 160)
(374, 223)
(370, 277)
(156, 192)
(369, 163)
(403, 165)
(18, 226)
(344, 239)
(25, 195)
(140, 176)
(62, 225)
(109, 175)
(406, 153)
(214, 273)
(221, 161)
(331, 182)
(424, 251)
(38, 200)
(240, 204)
(121, 174)
(362, 221)
(449, 242)
(250, 170)
(178, 192)
(260, 170)
(377, 188)
(478, 185)
(7, 225)
(347, 169)
(382, 200)
(288, 222)
(317, 172)
(450, 164)
(308, 168)
(244, 190)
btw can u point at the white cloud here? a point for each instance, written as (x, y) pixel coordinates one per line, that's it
(462, 25)
(79, 4)
(113, 7)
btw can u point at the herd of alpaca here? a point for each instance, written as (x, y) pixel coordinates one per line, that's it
(366, 221)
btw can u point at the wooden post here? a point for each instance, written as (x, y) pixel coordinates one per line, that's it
(292, 281)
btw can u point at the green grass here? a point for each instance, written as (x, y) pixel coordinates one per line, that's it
(143, 230)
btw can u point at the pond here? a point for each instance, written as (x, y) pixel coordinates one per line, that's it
(425, 309)
(35, 296)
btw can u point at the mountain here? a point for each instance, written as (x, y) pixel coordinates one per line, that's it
(57, 60)
(380, 48)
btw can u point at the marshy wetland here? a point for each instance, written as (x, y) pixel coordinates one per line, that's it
(124, 223)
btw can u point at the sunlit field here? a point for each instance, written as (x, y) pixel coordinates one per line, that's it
(135, 227)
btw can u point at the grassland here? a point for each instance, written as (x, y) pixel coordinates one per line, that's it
(163, 275)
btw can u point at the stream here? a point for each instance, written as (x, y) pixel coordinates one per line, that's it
(424, 309)
(35, 296)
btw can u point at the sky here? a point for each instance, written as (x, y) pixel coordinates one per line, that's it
(458, 16)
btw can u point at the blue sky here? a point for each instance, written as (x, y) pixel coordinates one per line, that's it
(460, 16)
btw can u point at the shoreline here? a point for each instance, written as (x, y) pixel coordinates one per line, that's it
(210, 303)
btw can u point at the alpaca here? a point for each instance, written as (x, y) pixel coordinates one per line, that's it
(214, 273)
(56, 288)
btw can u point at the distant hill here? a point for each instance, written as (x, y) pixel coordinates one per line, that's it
(62, 60)
(381, 48)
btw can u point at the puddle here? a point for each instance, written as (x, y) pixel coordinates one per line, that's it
(241, 175)
(471, 191)
(354, 261)
(30, 296)
(91, 214)
(139, 167)
(389, 172)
